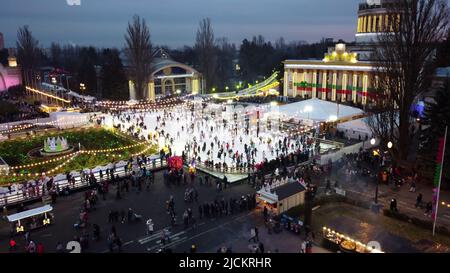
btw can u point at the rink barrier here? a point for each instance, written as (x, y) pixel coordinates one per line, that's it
(18, 197)
(228, 170)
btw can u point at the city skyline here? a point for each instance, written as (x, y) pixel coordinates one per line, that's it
(299, 20)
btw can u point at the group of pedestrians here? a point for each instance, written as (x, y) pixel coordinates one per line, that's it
(222, 207)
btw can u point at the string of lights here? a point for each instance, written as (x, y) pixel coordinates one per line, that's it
(127, 103)
(20, 127)
(72, 155)
(46, 94)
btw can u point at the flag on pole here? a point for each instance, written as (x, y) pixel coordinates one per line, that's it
(438, 177)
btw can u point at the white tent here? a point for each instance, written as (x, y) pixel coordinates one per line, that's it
(318, 110)
(356, 128)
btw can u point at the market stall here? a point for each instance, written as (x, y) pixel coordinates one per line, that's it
(280, 198)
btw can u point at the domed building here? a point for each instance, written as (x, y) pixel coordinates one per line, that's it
(374, 17)
(169, 77)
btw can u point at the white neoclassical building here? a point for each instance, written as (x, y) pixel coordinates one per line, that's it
(345, 74)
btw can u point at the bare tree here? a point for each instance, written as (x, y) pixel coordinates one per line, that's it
(55, 53)
(139, 52)
(28, 53)
(225, 54)
(402, 56)
(206, 52)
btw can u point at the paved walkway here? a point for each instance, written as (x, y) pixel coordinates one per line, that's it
(364, 188)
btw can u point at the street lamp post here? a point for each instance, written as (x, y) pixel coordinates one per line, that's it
(372, 142)
(54, 82)
(376, 205)
(82, 87)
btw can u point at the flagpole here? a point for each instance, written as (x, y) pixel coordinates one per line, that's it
(439, 183)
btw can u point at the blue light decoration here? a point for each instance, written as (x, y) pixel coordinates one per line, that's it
(419, 108)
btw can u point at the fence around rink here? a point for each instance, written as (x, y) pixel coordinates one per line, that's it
(228, 170)
(18, 197)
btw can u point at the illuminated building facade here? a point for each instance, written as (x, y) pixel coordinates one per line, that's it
(169, 77)
(346, 73)
(338, 77)
(9, 72)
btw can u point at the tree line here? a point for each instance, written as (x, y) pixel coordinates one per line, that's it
(221, 62)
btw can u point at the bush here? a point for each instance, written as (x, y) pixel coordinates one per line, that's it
(421, 223)
(329, 199)
(396, 215)
(416, 221)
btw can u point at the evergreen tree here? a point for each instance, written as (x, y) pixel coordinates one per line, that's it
(114, 79)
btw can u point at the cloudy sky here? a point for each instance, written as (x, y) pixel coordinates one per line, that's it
(174, 22)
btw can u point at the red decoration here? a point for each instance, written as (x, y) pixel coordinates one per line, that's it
(259, 166)
(175, 162)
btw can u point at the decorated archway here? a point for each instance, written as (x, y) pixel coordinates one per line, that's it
(169, 77)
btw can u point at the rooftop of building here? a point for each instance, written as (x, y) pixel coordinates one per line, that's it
(337, 57)
(288, 189)
(376, 4)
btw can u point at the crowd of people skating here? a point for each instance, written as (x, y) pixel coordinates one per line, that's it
(224, 143)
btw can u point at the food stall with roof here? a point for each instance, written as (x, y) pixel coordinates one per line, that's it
(280, 197)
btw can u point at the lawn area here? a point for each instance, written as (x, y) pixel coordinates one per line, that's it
(15, 152)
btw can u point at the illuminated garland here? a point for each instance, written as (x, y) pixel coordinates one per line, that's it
(126, 103)
(20, 127)
(17, 129)
(71, 157)
(46, 94)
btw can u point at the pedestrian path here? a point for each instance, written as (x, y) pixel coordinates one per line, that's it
(156, 243)
(406, 200)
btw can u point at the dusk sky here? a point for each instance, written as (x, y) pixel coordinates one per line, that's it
(174, 22)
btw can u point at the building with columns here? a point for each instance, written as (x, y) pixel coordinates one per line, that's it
(338, 77)
(169, 77)
(374, 16)
(346, 74)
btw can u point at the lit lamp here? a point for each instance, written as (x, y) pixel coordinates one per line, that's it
(12, 61)
(389, 145)
(19, 229)
(333, 118)
(178, 91)
(46, 221)
(308, 109)
(226, 88)
(54, 80)
(82, 87)
(372, 141)
(214, 89)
